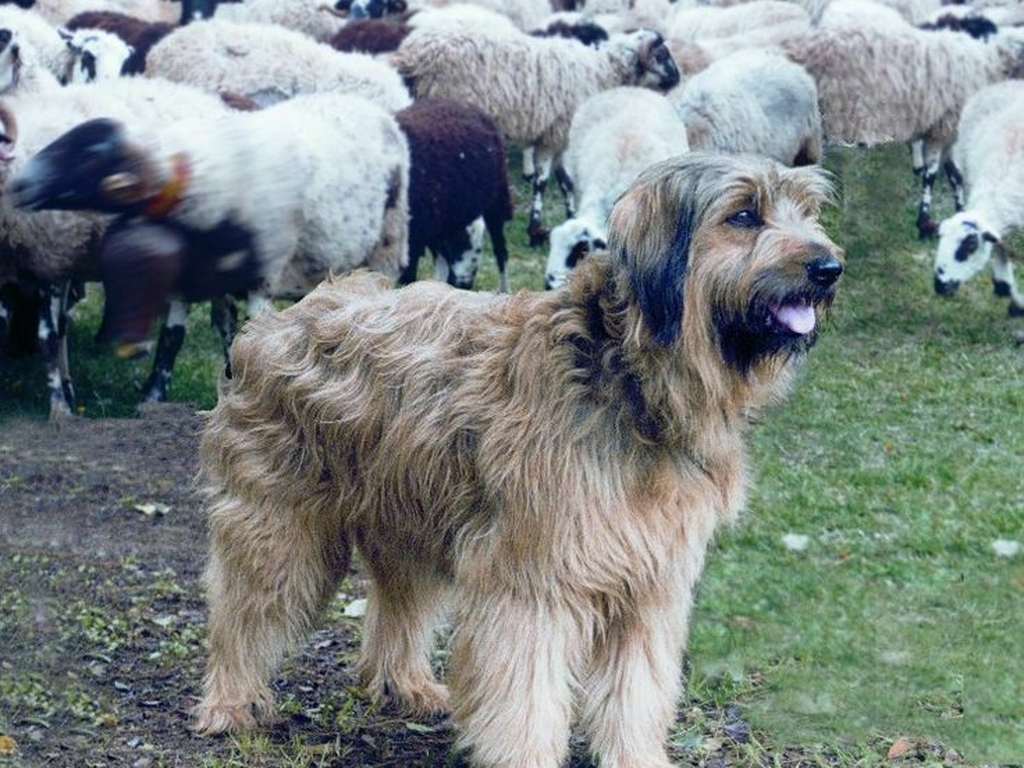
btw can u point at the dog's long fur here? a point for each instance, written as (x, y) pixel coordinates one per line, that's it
(549, 466)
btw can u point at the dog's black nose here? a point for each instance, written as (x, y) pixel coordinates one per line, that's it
(824, 270)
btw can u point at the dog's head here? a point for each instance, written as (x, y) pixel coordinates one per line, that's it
(726, 252)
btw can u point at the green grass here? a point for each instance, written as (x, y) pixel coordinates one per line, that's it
(899, 455)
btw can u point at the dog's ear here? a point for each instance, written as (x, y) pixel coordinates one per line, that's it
(649, 234)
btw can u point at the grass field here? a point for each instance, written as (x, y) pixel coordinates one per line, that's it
(900, 457)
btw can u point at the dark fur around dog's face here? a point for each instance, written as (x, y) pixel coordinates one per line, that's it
(554, 463)
(713, 244)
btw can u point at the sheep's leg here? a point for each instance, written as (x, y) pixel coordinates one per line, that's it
(917, 156)
(402, 611)
(273, 568)
(956, 181)
(53, 338)
(529, 166)
(224, 317)
(496, 231)
(1003, 283)
(535, 229)
(568, 190)
(925, 225)
(168, 345)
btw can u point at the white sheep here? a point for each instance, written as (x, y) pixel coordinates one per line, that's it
(53, 247)
(310, 17)
(880, 79)
(526, 15)
(701, 22)
(755, 101)
(57, 12)
(531, 86)
(33, 56)
(267, 202)
(990, 152)
(614, 136)
(268, 63)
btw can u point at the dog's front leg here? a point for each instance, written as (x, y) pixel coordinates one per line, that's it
(632, 686)
(513, 658)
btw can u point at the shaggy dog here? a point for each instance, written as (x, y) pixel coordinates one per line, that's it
(549, 466)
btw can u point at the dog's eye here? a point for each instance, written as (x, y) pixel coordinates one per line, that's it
(747, 218)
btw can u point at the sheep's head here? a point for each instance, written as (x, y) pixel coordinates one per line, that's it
(655, 67)
(965, 247)
(95, 55)
(571, 242)
(94, 166)
(10, 59)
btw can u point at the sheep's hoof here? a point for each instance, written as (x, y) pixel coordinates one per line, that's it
(538, 235)
(1001, 290)
(1015, 309)
(926, 229)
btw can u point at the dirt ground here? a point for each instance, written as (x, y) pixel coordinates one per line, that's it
(102, 544)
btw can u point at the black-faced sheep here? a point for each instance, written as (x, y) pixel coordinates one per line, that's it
(49, 250)
(990, 152)
(531, 86)
(615, 135)
(458, 173)
(281, 215)
(268, 63)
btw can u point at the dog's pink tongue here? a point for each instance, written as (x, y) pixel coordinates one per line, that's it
(798, 317)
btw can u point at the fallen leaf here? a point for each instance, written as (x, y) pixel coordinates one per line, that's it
(899, 748)
(356, 608)
(8, 746)
(152, 509)
(418, 727)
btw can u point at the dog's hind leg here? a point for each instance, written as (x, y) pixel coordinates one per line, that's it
(632, 688)
(271, 573)
(402, 611)
(513, 662)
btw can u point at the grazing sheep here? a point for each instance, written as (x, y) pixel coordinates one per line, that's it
(277, 198)
(990, 152)
(531, 86)
(140, 35)
(50, 249)
(880, 79)
(458, 173)
(615, 135)
(267, 63)
(755, 101)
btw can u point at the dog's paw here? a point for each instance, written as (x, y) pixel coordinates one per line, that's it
(212, 719)
(424, 700)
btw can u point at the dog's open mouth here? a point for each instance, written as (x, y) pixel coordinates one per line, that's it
(796, 316)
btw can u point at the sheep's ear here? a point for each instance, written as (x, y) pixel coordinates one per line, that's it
(650, 236)
(65, 35)
(991, 237)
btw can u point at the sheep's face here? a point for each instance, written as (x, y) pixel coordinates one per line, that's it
(571, 241)
(91, 167)
(965, 247)
(655, 66)
(96, 55)
(10, 59)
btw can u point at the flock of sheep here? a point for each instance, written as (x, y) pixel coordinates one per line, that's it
(202, 151)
